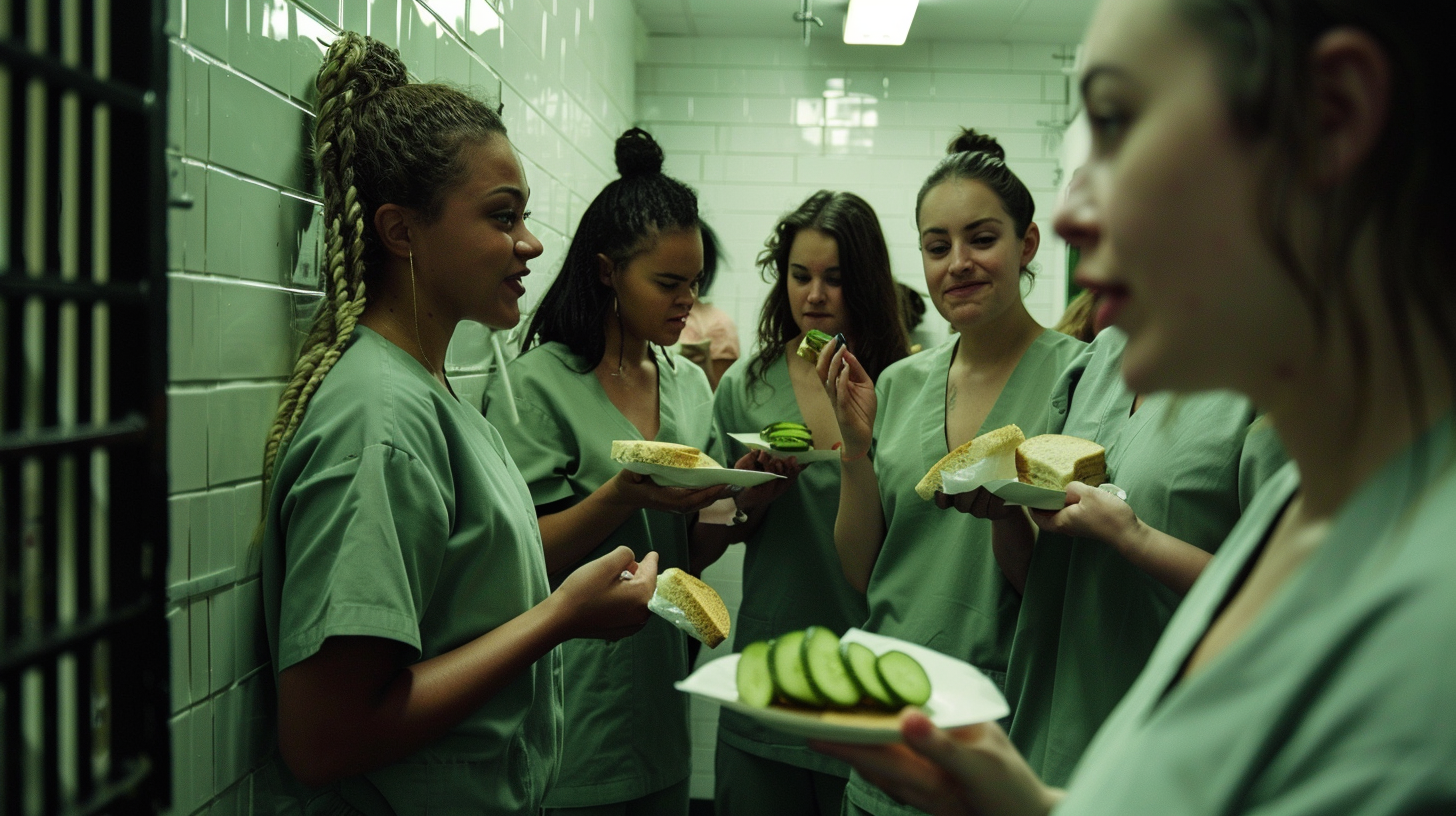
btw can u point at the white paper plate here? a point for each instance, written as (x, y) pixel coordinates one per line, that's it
(1012, 491)
(959, 695)
(755, 442)
(699, 477)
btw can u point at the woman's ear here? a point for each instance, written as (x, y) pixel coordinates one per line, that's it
(1029, 244)
(605, 268)
(392, 223)
(1351, 86)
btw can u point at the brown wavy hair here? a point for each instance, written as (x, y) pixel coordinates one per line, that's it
(876, 331)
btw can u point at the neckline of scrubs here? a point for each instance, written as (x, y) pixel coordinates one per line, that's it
(933, 436)
(1382, 502)
(415, 367)
(601, 393)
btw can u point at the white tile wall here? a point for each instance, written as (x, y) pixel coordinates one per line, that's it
(757, 125)
(238, 143)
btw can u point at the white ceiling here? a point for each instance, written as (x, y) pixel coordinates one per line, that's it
(1040, 21)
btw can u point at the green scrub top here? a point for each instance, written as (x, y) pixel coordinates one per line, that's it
(626, 726)
(791, 573)
(936, 582)
(1089, 618)
(1336, 700)
(397, 513)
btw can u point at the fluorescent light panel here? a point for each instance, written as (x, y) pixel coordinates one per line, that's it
(879, 22)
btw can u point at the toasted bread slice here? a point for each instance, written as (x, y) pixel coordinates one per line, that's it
(991, 443)
(656, 453)
(1055, 460)
(701, 604)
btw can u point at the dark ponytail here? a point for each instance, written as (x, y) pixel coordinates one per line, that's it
(622, 222)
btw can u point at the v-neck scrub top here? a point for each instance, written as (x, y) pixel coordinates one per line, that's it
(791, 573)
(1339, 698)
(397, 513)
(936, 582)
(626, 726)
(1089, 618)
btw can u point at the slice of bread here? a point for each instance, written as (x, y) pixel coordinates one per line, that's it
(1054, 460)
(699, 602)
(656, 453)
(987, 444)
(706, 461)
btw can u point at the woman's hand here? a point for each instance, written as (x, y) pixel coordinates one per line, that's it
(970, 771)
(638, 491)
(1093, 513)
(599, 601)
(852, 394)
(980, 503)
(764, 494)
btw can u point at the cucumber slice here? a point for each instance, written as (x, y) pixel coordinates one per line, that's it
(755, 682)
(861, 662)
(904, 677)
(790, 676)
(827, 672)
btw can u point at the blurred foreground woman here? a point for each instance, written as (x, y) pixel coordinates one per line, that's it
(1267, 215)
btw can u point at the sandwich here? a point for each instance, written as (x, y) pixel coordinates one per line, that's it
(1055, 460)
(1000, 442)
(691, 605)
(810, 346)
(667, 454)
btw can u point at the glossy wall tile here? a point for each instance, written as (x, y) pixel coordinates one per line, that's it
(243, 261)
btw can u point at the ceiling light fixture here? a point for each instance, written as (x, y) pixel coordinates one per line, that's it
(879, 22)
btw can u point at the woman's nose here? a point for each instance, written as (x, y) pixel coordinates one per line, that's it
(1076, 218)
(528, 246)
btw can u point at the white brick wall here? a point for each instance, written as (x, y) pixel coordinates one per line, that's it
(241, 75)
(757, 125)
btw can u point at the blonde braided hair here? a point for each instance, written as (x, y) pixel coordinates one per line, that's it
(378, 138)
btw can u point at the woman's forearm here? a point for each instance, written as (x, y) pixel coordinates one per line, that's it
(859, 527)
(352, 708)
(571, 534)
(1172, 562)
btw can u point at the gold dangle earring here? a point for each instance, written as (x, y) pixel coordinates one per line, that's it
(621, 337)
(415, 307)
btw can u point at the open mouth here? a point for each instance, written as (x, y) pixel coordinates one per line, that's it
(514, 284)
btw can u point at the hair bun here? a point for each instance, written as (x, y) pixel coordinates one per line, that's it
(360, 64)
(638, 154)
(969, 141)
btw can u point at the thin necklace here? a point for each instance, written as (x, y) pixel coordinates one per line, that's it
(415, 307)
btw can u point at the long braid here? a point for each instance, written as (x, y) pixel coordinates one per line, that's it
(378, 138)
(339, 311)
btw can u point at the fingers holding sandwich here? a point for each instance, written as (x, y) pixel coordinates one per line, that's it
(980, 503)
(607, 598)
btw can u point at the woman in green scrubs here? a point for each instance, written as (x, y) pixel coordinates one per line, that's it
(405, 596)
(1265, 213)
(929, 576)
(594, 369)
(1103, 577)
(831, 272)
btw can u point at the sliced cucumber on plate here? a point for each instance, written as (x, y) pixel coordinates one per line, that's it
(827, 671)
(790, 675)
(813, 667)
(904, 677)
(755, 681)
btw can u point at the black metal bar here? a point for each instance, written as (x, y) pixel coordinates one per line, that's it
(62, 77)
(130, 429)
(26, 654)
(51, 287)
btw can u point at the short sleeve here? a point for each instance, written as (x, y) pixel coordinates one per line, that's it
(1262, 456)
(544, 451)
(365, 540)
